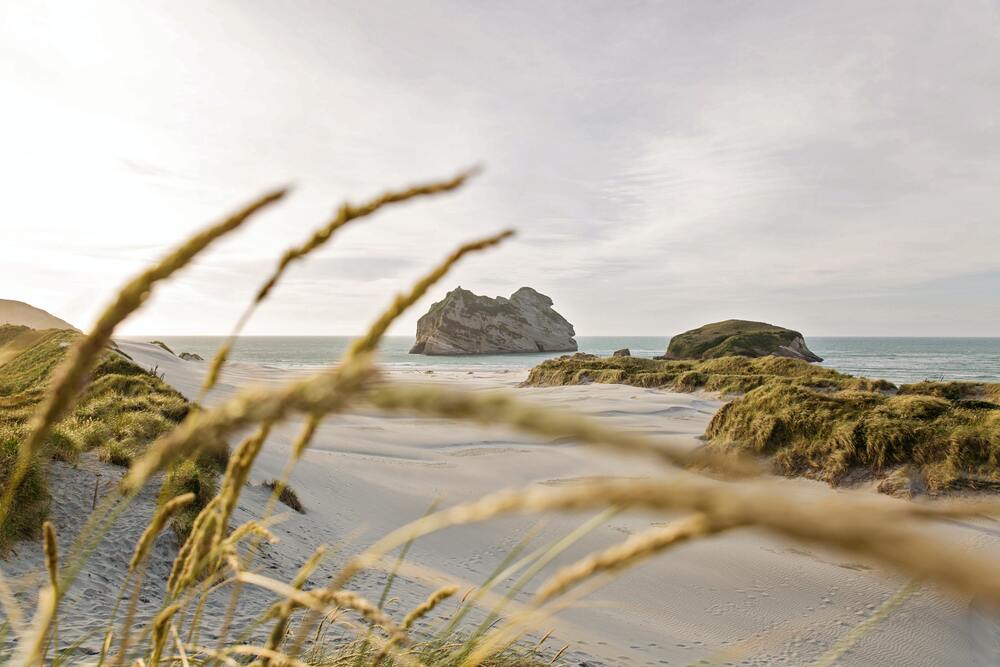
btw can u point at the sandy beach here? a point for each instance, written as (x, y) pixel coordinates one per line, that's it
(745, 598)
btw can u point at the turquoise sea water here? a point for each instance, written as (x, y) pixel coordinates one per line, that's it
(895, 359)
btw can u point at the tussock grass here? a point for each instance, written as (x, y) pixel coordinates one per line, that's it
(817, 422)
(726, 375)
(189, 476)
(955, 391)
(286, 495)
(33, 495)
(121, 411)
(949, 443)
(47, 385)
(63, 445)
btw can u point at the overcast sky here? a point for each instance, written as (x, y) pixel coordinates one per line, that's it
(829, 166)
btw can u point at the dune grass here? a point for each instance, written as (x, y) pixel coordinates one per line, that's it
(46, 393)
(123, 409)
(726, 375)
(286, 495)
(814, 421)
(949, 443)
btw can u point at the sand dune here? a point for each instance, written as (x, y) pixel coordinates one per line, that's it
(745, 598)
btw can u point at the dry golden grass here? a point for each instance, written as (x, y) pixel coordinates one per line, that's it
(345, 214)
(286, 495)
(71, 376)
(160, 519)
(812, 421)
(427, 606)
(51, 550)
(897, 534)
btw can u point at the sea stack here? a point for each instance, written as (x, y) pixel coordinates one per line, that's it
(466, 323)
(739, 338)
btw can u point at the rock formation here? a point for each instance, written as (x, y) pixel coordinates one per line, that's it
(624, 352)
(190, 356)
(739, 338)
(466, 323)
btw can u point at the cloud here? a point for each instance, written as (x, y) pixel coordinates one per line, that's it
(664, 165)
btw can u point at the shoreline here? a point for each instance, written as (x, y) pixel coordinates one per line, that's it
(898, 359)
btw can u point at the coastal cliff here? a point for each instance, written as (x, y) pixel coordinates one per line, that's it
(739, 338)
(466, 323)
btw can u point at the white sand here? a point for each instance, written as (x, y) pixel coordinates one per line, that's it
(745, 598)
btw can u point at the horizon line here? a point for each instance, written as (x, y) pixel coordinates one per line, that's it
(226, 335)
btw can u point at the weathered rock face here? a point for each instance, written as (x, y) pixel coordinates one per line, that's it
(466, 323)
(739, 338)
(190, 356)
(624, 352)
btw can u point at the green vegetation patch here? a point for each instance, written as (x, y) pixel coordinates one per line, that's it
(9, 332)
(123, 409)
(31, 504)
(817, 422)
(949, 442)
(727, 375)
(200, 477)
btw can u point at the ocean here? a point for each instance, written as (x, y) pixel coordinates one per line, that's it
(899, 360)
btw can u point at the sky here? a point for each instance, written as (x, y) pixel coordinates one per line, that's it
(832, 167)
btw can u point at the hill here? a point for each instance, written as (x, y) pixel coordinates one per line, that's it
(20, 313)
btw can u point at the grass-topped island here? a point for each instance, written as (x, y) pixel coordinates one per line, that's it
(817, 422)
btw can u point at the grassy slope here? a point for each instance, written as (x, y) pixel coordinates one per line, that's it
(817, 422)
(124, 409)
